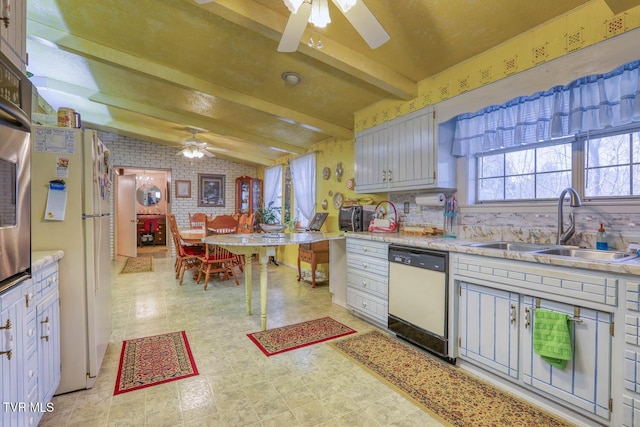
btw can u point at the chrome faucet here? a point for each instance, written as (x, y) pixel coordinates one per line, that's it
(575, 202)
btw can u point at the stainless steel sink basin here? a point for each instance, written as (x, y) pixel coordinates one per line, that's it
(511, 246)
(588, 254)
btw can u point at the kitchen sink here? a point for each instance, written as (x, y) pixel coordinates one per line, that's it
(588, 254)
(511, 246)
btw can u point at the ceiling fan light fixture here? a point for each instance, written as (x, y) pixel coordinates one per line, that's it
(345, 5)
(320, 13)
(192, 153)
(291, 78)
(293, 5)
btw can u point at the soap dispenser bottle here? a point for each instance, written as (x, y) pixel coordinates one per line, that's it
(601, 239)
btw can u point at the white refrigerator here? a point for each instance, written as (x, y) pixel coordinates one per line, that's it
(80, 226)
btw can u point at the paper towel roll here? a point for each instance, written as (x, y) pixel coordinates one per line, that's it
(435, 200)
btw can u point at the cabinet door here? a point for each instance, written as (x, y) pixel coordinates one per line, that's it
(370, 160)
(11, 369)
(488, 327)
(412, 152)
(585, 381)
(48, 317)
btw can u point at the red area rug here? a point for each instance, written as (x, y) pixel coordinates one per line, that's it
(447, 393)
(154, 360)
(286, 338)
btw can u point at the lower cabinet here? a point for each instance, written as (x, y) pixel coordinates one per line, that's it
(12, 358)
(30, 374)
(496, 331)
(368, 279)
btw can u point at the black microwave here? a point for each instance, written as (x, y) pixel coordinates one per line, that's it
(355, 218)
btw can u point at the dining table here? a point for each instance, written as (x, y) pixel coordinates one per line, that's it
(264, 245)
(192, 236)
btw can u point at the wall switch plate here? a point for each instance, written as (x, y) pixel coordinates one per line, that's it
(406, 207)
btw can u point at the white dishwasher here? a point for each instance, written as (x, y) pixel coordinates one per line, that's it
(418, 297)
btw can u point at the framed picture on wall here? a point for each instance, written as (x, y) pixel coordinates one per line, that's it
(183, 189)
(211, 190)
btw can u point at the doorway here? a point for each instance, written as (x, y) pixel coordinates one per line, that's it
(142, 197)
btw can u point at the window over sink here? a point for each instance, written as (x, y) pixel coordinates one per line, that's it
(599, 164)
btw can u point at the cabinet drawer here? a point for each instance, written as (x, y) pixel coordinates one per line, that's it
(368, 283)
(368, 248)
(306, 256)
(30, 334)
(368, 264)
(31, 374)
(367, 304)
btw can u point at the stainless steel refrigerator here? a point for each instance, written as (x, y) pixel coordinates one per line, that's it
(78, 223)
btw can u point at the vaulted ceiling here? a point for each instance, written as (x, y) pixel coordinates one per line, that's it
(152, 69)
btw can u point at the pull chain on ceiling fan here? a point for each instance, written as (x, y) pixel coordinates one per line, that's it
(317, 13)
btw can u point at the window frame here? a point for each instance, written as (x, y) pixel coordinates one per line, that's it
(578, 168)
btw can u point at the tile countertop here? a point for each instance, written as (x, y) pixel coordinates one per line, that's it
(41, 259)
(631, 266)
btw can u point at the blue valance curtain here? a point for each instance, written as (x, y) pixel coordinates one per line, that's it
(587, 104)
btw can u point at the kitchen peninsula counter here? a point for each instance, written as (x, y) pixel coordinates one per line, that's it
(264, 245)
(628, 267)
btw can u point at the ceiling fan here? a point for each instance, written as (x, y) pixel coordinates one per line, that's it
(194, 148)
(317, 12)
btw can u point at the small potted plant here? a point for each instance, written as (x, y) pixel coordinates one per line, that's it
(269, 219)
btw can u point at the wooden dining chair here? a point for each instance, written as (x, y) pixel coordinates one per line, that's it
(216, 259)
(187, 256)
(246, 223)
(222, 224)
(198, 220)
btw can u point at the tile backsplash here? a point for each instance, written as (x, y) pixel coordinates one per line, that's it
(532, 227)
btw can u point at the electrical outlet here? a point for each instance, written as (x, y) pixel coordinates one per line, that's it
(406, 207)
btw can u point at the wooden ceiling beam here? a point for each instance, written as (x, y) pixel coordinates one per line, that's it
(122, 60)
(269, 23)
(221, 130)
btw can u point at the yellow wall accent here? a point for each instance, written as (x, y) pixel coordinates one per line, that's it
(328, 154)
(584, 26)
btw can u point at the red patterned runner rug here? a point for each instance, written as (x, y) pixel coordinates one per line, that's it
(286, 338)
(447, 393)
(154, 360)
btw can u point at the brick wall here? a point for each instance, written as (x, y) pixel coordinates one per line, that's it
(133, 153)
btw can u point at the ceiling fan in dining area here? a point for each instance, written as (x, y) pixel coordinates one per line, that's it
(194, 148)
(316, 12)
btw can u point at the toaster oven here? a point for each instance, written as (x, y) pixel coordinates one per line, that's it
(355, 218)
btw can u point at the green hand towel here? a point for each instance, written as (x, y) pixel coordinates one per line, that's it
(552, 338)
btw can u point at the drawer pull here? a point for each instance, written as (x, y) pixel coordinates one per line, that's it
(45, 329)
(8, 339)
(365, 265)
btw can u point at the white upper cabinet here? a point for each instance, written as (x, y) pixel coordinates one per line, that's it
(403, 154)
(13, 34)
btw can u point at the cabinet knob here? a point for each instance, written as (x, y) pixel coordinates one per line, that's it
(364, 304)
(364, 283)
(31, 373)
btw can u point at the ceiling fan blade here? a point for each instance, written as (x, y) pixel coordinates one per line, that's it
(207, 153)
(295, 28)
(367, 25)
(204, 1)
(179, 153)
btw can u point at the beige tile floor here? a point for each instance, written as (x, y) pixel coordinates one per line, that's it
(238, 385)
